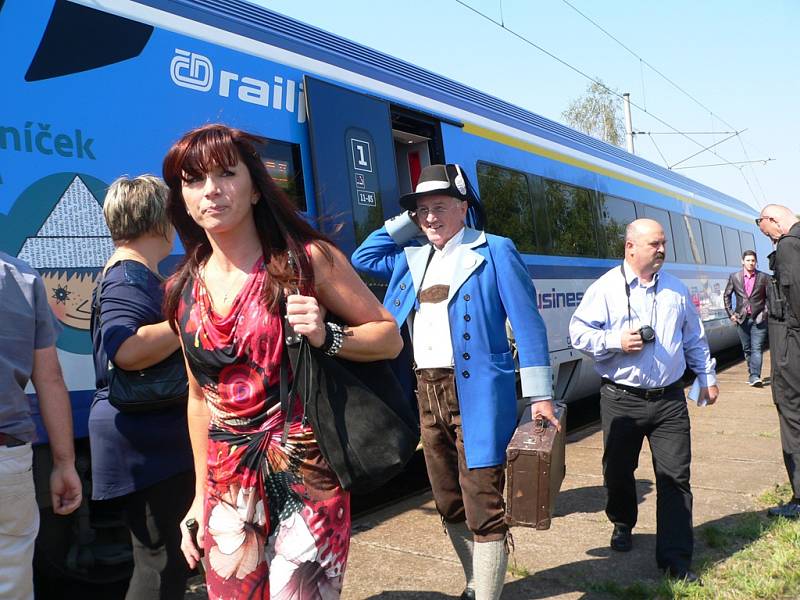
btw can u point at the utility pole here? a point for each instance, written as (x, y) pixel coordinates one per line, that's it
(628, 122)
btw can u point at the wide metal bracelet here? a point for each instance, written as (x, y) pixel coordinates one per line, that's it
(337, 333)
(326, 345)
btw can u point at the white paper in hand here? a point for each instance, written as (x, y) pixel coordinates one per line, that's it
(694, 392)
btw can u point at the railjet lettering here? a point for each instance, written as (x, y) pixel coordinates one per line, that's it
(196, 72)
(554, 299)
(44, 141)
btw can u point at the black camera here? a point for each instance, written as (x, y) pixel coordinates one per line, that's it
(647, 333)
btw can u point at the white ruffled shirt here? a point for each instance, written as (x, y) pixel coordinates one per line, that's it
(433, 347)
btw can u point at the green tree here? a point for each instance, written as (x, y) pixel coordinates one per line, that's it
(597, 113)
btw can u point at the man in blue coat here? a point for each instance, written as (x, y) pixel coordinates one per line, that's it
(454, 288)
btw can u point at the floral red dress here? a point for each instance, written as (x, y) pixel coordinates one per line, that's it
(277, 521)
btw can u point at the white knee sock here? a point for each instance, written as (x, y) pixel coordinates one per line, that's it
(490, 564)
(461, 538)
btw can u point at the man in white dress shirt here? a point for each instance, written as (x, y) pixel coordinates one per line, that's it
(642, 330)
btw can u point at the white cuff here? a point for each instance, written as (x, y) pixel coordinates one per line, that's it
(707, 379)
(535, 399)
(614, 341)
(402, 228)
(536, 381)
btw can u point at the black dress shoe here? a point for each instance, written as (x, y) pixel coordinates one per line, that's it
(684, 575)
(621, 539)
(467, 595)
(790, 510)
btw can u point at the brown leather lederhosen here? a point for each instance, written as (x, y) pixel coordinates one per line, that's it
(474, 495)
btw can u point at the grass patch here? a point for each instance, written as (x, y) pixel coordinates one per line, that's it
(745, 557)
(663, 590)
(776, 495)
(517, 570)
(637, 591)
(746, 528)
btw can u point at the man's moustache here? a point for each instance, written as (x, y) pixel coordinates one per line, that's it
(660, 255)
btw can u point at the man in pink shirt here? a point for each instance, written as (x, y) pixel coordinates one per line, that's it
(750, 315)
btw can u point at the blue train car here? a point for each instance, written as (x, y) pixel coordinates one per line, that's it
(96, 89)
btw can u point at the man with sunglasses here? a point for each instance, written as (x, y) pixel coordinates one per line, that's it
(781, 225)
(455, 286)
(642, 330)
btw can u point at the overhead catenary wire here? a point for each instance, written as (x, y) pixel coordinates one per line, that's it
(686, 132)
(661, 154)
(749, 187)
(758, 182)
(675, 85)
(643, 61)
(735, 133)
(641, 77)
(587, 76)
(735, 164)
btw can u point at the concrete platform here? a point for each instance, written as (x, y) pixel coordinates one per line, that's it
(403, 553)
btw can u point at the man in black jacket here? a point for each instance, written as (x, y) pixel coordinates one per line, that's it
(750, 288)
(783, 297)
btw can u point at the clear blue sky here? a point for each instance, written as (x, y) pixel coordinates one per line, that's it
(739, 58)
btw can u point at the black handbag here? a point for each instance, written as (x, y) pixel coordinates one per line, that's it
(158, 387)
(366, 428)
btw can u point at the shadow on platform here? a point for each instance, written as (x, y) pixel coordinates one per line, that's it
(715, 541)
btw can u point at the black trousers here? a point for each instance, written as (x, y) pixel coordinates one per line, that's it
(627, 419)
(153, 516)
(785, 347)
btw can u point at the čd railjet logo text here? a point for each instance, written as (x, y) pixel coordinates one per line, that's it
(196, 72)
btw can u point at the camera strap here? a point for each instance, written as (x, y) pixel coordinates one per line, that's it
(628, 295)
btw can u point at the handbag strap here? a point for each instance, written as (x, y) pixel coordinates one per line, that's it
(290, 337)
(285, 393)
(95, 318)
(94, 323)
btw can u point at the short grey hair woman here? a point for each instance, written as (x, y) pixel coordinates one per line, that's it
(141, 460)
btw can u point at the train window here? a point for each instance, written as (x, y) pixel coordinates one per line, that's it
(696, 239)
(616, 213)
(662, 217)
(541, 220)
(748, 241)
(572, 223)
(733, 248)
(507, 199)
(712, 242)
(688, 239)
(285, 166)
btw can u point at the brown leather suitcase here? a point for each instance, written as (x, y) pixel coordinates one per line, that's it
(535, 468)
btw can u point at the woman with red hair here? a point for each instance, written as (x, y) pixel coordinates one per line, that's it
(273, 520)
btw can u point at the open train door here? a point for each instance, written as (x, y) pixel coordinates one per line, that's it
(353, 156)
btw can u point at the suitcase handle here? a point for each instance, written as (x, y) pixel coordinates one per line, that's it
(540, 423)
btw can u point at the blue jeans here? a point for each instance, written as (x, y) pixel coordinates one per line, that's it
(752, 337)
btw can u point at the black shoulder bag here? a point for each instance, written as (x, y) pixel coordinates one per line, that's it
(365, 426)
(158, 387)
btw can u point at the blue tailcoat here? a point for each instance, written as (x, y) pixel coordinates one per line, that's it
(489, 285)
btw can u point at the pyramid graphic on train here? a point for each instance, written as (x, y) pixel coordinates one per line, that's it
(69, 250)
(74, 236)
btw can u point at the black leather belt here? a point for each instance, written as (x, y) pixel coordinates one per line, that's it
(646, 393)
(9, 441)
